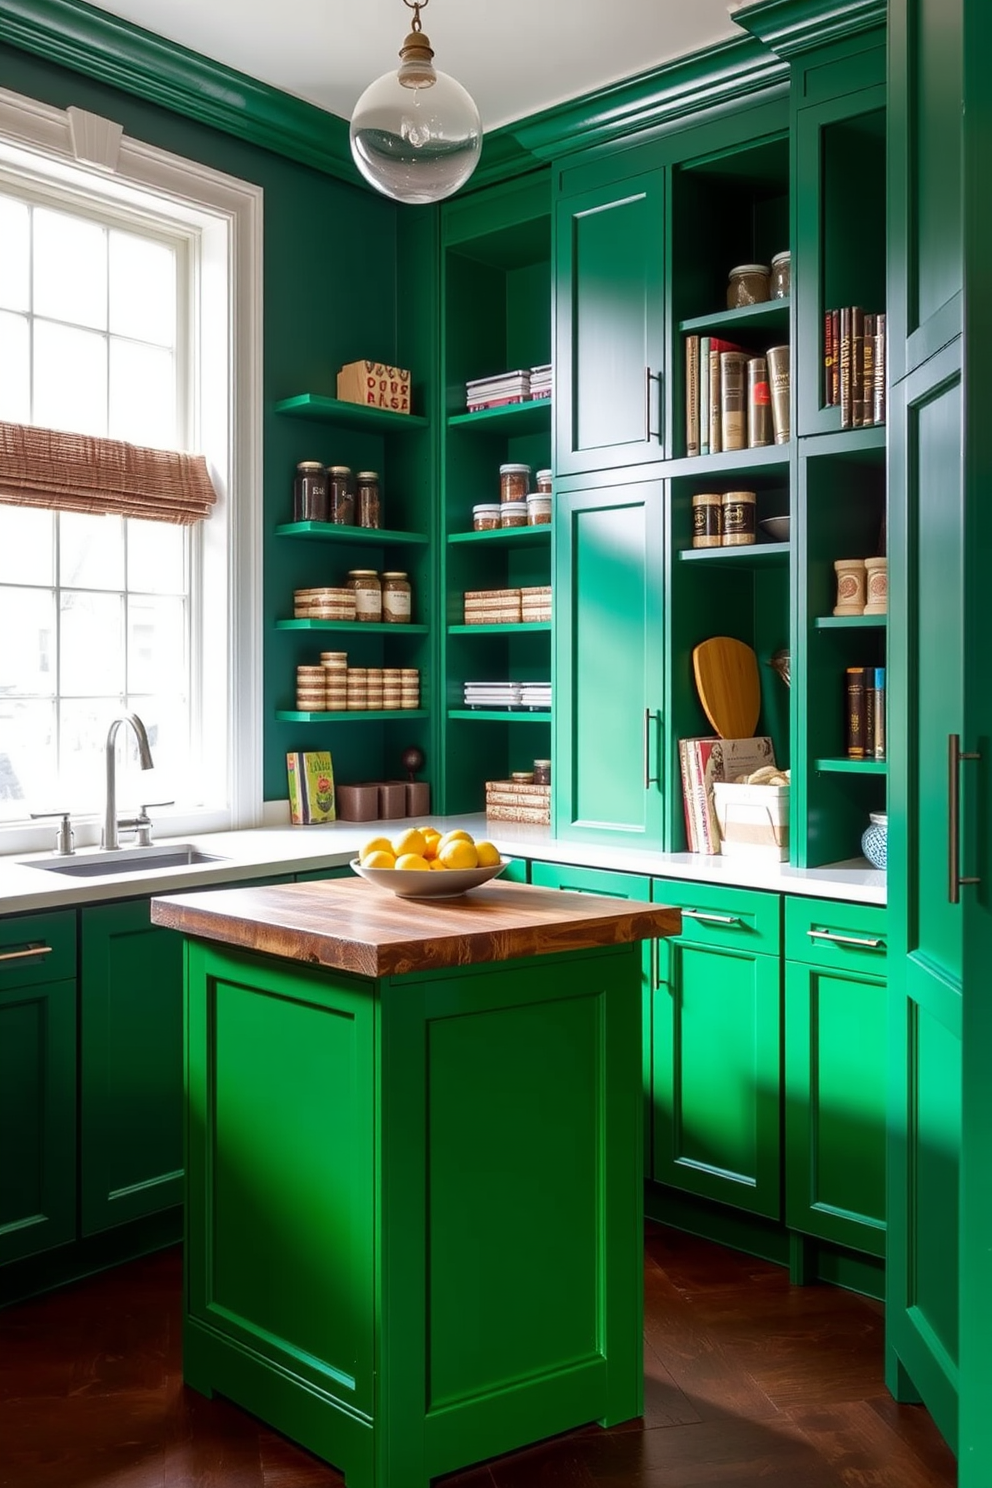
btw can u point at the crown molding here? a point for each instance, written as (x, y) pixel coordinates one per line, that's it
(790, 27)
(78, 36)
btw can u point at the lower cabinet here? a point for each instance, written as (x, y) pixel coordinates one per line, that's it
(715, 1041)
(37, 1083)
(131, 1082)
(835, 1072)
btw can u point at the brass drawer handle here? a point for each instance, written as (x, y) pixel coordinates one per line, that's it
(712, 919)
(866, 943)
(31, 950)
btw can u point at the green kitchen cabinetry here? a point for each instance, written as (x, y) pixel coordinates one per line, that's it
(609, 728)
(716, 1029)
(37, 1083)
(131, 1081)
(835, 1072)
(496, 317)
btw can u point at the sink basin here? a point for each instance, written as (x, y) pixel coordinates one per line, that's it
(98, 864)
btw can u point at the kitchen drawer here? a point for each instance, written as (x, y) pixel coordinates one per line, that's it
(822, 932)
(38, 948)
(747, 919)
(591, 881)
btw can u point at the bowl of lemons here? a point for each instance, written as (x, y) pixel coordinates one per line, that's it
(423, 863)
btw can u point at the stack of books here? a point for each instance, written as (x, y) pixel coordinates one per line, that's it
(854, 369)
(519, 801)
(734, 399)
(535, 696)
(535, 603)
(490, 695)
(494, 392)
(541, 381)
(865, 703)
(702, 762)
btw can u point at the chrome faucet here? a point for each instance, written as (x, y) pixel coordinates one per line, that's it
(110, 840)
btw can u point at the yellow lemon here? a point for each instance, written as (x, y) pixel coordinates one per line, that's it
(432, 839)
(378, 859)
(455, 836)
(459, 854)
(436, 865)
(412, 863)
(410, 841)
(375, 844)
(488, 854)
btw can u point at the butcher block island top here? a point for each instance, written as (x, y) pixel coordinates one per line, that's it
(349, 925)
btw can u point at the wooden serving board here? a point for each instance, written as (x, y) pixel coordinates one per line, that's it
(349, 925)
(729, 687)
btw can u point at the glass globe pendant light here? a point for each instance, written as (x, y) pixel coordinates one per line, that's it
(415, 133)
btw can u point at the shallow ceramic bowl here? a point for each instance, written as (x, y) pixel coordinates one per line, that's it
(447, 883)
(777, 528)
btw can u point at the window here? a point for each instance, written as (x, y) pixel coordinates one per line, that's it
(127, 280)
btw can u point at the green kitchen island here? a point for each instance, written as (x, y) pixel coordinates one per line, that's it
(414, 1166)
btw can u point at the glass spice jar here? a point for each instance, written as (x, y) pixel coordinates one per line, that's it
(340, 496)
(310, 492)
(513, 514)
(514, 482)
(538, 505)
(542, 481)
(747, 285)
(542, 772)
(781, 281)
(485, 516)
(368, 506)
(396, 601)
(368, 593)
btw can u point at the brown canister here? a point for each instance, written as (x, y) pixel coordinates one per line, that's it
(738, 518)
(396, 603)
(368, 593)
(707, 520)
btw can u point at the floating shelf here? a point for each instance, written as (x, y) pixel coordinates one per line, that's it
(325, 410)
(852, 767)
(510, 418)
(849, 622)
(770, 457)
(513, 627)
(356, 627)
(773, 314)
(515, 536)
(290, 715)
(370, 537)
(498, 715)
(745, 557)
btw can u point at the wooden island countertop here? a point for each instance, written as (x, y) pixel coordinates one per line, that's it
(349, 925)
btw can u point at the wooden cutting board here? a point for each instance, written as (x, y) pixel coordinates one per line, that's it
(728, 685)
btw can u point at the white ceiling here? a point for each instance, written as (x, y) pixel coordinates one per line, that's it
(515, 57)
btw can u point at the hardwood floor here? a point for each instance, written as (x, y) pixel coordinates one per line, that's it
(749, 1383)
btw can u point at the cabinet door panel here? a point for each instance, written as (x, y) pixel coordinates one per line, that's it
(132, 1065)
(610, 325)
(835, 1061)
(609, 665)
(37, 1118)
(716, 1075)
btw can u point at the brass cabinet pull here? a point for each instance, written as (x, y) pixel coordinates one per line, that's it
(955, 754)
(867, 943)
(31, 950)
(712, 919)
(649, 779)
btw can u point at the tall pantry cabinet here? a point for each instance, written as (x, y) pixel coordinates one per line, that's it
(939, 1306)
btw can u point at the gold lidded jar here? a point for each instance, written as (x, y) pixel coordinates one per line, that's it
(396, 601)
(707, 520)
(368, 503)
(738, 514)
(748, 284)
(340, 496)
(368, 594)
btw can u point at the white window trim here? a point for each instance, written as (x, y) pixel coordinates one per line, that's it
(72, 145)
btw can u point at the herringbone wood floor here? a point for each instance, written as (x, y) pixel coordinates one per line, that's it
(749, 1383)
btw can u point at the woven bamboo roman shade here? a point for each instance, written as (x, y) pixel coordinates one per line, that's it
(76, 472)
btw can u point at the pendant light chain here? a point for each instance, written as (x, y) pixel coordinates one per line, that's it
(416, 6)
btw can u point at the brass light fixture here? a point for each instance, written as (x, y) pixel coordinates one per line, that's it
(415, 133)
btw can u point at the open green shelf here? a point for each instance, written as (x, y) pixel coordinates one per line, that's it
(849, 622)
(498, 715)
(357, 715)
(745, 557)
(511, 536)
(773, 314)
(337, 532)
(510, 418)
(325, 410)
(852, 767)
(514, 627)
(769, 457)
(358, 627)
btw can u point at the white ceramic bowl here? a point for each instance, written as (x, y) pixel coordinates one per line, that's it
(447, 883)
(777, 528)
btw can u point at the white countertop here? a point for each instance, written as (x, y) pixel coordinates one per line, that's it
(265, 851)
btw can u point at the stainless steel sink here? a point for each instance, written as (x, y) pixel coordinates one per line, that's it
(97, 864)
